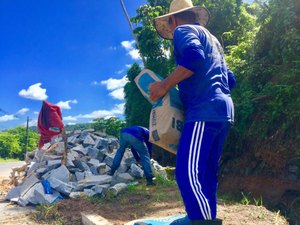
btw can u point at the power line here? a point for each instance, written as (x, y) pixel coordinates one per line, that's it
(6, 113)
(1, 110)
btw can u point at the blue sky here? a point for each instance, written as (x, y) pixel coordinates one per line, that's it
(71, 53)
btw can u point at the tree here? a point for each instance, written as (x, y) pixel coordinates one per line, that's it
(111, 126)
(156, 50)
(267, 97)
(9, 146)
(137, 108)
(114, 125)
(78, 126)
(13, 142)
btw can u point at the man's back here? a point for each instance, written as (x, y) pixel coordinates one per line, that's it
(206, 94)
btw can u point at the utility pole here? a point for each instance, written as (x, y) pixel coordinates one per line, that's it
(131, 28)
(27, 124)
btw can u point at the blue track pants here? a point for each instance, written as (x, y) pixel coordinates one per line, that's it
(199, 151)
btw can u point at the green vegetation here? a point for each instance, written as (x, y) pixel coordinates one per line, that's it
(267, 96)
(111, 126)
(141, 191)
(13, 143)
(262, 45)
(6, 160)
(137, 108)
(78, 126)
(49, 213)
(245, 200)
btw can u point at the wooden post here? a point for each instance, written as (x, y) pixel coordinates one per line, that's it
(65, 155)
(26, 146)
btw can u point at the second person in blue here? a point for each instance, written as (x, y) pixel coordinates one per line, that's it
(137, 138)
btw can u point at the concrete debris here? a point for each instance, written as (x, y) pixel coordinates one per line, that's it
(122, 178)
(116, 189)
(93, 219)
(136, 171)
(89, 158)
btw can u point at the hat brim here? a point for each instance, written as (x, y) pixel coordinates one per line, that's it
(162, 26)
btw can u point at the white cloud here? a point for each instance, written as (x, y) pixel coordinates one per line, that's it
(33, 122)
(71, 123)
(36, 112)
(34, 92)
(66, 104)
(128, 65)
(115, 86)
(6, 118)
(130, 48)
(70, 118)
(22, 111)
(119, 71)
(95, 83)
(118, 109)
(112, 84)
(95, 114)
(117, 94)
(128, 45)
(134, 54)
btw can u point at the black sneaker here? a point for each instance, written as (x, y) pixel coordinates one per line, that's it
(182, 221)
(150, 182)
(111, 172)
(206, 222)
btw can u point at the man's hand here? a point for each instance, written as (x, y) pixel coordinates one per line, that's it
(160, 88)
(157, 90)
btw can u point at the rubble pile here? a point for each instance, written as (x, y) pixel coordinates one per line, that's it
(90, 154)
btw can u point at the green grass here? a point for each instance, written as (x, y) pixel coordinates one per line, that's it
(8, 160)
(158, 193)
(49, 213)
(243, 198)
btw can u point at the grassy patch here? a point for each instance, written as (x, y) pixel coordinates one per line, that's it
(243, 198)
(134, 193)
(49, 213)
(8, 160)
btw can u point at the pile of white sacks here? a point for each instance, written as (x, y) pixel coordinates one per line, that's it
(89, 157)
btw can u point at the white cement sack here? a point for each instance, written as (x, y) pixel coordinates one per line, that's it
(166, 117)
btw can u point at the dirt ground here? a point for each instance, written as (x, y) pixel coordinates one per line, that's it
(140, 202)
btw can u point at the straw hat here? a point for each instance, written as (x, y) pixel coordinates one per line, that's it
(162, 22)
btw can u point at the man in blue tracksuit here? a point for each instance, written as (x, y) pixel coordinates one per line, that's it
(204, 81)
(137, 138)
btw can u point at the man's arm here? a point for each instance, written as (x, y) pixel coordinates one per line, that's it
(231, 79)
(160, 88)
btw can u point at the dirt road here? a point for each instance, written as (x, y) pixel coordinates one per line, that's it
(12, 214)
(5, 168)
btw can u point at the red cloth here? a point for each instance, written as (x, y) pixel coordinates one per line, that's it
(50, 122)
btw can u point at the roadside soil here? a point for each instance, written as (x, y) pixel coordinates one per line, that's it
(138, 202)
(11, 214)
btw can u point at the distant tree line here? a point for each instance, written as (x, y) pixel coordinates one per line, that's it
(13, 142)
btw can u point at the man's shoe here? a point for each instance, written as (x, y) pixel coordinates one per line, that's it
(150, 182)
(182, 221)
(111, 172)
(206, 222)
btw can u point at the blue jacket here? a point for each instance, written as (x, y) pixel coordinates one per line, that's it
(142, 134)
(205, 94)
